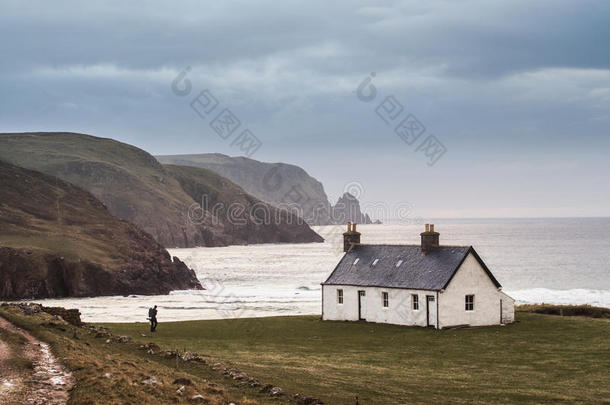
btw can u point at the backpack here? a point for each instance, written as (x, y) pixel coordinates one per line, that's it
(150, 312)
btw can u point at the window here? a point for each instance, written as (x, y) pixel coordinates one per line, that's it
(339, 296)
(399, 263)
(357, 260)
(375, 262)
(470, 303)
(386, 299)
(415, 301)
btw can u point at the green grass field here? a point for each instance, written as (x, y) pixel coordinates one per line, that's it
(541, 359)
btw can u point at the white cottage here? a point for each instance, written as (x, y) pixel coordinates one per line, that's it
(419, 285)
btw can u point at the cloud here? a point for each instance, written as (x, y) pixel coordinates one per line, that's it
(491, 79)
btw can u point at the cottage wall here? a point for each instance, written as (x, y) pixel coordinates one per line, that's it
(471, 278)
(508, 308)
(399, 311)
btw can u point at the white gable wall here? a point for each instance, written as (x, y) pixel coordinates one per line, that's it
(508, 308)
(399, 312)
(471, 278)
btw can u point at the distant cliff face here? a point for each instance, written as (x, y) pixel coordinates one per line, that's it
(246, 218)
(136, 187)
(348, 209)
(57, 240)
(279, 184)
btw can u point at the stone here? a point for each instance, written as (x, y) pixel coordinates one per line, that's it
(276, 392)
(108, 375)
(197, 398)
(152, 381)
(180, 390)
(188, 356)
(170, 354)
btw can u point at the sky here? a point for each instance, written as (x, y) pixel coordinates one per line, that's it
(454, 108)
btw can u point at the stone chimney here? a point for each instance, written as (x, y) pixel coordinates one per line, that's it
(350, 237)
(429, 239)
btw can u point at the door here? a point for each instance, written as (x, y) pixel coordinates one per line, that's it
(361, 304)
(430, 311)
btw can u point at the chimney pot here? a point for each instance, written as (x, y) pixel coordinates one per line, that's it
(354, 227)
(349, 226)
(431, 227)
(427, 227)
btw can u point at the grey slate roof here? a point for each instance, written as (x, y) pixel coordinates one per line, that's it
(419, 272)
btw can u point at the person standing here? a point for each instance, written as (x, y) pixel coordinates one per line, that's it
(152, 316)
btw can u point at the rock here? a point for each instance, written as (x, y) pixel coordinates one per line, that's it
(347, 208)
(30, 309)
(188, 356)
(276, 392)
(266, 388)
(180, 390)
(170, 354)
(151, 348)
(182, 381)
(108, 375)
(197, 398)
(72, 316)
(152, 381)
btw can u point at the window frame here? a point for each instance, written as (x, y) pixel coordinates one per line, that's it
(385, 299)
(415, 302)
(340, 296)
(469, 304)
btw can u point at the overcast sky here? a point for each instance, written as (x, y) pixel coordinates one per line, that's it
(517, 92)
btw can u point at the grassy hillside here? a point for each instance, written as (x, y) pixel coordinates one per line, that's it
(196, 182)
(113, 373)
(59, 240)
(132, 184)
(274, 183)
(541, 359)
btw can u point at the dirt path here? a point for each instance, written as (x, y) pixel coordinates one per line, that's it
(47, 383)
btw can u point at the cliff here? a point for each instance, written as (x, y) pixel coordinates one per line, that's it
(57, 240)
(279, 184)
(135, 187)
(347, 209)
(252, 220)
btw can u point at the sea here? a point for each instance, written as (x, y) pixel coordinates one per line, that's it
(556, 261)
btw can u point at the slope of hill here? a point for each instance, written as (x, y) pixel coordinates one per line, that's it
(279, 184)
(57, 240)
(249, 218)
(133, 185)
